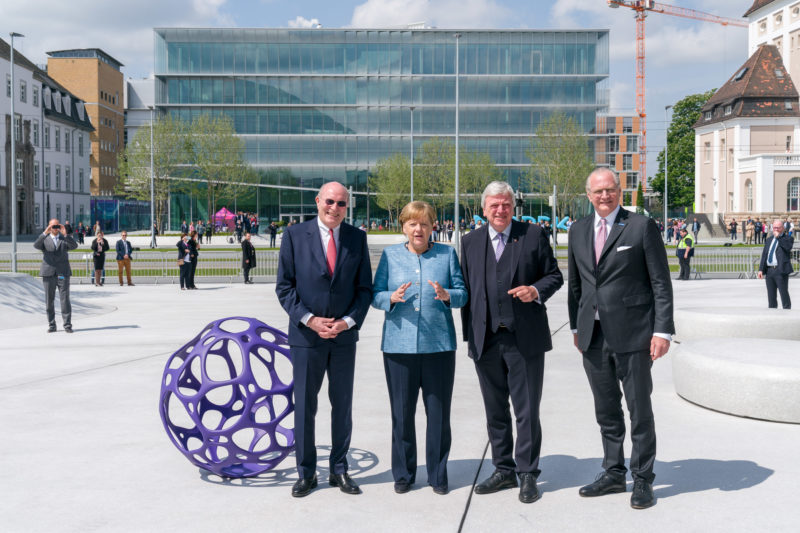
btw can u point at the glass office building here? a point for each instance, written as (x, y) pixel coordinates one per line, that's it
(320, 104)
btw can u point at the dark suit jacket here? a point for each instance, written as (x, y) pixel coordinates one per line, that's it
(123, 248)
(183, 249)
(631, 285)
(783, 253)
(304, 285)
(55, 260)
(248, 252)
(533, 264)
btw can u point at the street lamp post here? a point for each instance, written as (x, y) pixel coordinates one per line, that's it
(666, 167)
(152, 190)
(456, 220)
(411, 108)
(13, 165)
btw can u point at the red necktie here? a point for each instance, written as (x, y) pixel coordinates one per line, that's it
(600, 240)
(330, 257)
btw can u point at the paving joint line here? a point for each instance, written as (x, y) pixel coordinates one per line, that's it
(472, 488)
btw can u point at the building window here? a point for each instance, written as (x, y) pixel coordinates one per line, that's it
(20, 169)
(80, 145)
(787, 105)
(748, 195)
(8, 85)
(707, 152)
(722, 150)
(36, 176)
(613, 144)
(703, 203)
(58, 178)
(66, 142)
(36, 133)
(730, 201)
(80, 180)
(23, 91)
(633, 180)
(762, 26)
(612, 161)
(47, 175)
(632, 143)
(708, 115)
(627, 162)
(67, 180)
(35, 96)
(58, 139)
(36, 214)
(795, 11)
(728, 109)
(18, 128)
(627, 124)
(58, 211)
(788, 144)
(793, 195)
(80, 210)
(46, 139)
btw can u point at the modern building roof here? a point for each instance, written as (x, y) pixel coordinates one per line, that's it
(757, 4)
(761, 87)
(82, 53)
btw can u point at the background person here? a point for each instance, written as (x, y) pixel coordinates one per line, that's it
(184, 261)
(209, 231)
(684, 250)
(509, 271)
(732, 227)
(418, 284)
(55, 244)
(620, 312)
(273, 232)
(776, 265)
(325, 285)
(194, 253)
(99, 249)
(248, 258)
(124, 254)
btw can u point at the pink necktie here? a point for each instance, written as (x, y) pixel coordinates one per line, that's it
(331, 255)
(600, 240)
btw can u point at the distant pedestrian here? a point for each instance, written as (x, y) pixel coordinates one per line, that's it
(248, 257)
(97, 227)
(184, 261)
(732, 227)
(124, 255)
(209, 231)
(184, 227)
(80, 231)
(695, 229)
(273, 232)
(685, 252)
(194, 248)
(99, 249)
(776, 265)
(55, 244)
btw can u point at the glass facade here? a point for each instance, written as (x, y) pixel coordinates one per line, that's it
(320, 104)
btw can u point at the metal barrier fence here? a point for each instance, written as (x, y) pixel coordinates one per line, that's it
(156, 267)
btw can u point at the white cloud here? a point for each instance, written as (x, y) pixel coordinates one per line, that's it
(438, 13)
(302, 22)
(122, 29)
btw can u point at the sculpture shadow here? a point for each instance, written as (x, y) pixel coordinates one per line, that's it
(672, 477)
(359, 461)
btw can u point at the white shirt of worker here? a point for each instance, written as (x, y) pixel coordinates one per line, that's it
(325, 236)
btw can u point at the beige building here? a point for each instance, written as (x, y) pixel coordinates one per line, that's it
(617, 147)
(95, 77)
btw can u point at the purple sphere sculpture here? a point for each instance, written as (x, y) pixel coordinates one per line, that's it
(226, 397)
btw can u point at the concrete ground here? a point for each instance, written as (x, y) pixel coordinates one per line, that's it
(83, 448)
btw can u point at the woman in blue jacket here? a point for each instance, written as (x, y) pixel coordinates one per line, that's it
(418, 284)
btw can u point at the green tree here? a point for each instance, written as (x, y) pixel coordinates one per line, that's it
(680, 141)
(639, 199)
(391, 182)
(169, 154)
(560, 156)
(434, 173)
(475, 171)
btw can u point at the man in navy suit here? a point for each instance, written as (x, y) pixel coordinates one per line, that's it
(510, 272)
(325, 285)
(776, 265)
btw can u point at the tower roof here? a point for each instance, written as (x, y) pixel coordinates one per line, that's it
(757, 4)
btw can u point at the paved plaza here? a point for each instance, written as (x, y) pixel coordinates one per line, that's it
(83, 448)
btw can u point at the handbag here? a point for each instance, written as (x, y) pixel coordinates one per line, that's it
(180, 262)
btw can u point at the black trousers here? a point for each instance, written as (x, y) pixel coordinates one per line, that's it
(50, 285)
(685, 270)
(185, 269)
(504, 372)
(605, 370)
(272, 241)
(190, 277)
(309, 367)
(246, 272)
(406, 374)
(777, 282)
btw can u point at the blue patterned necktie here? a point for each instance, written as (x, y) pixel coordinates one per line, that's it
(771, 256)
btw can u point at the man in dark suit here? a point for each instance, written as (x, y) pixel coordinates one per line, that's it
(325, 285)
(776, 265)
(124, 254)
(55, 243)
(510, 271)
(248, 257)
(620, 313)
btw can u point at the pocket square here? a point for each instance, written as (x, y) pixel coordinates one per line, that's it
(622, 248)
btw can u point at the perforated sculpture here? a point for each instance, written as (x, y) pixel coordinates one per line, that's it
(226, 396)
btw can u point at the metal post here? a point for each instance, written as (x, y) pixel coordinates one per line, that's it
(411, 108)
(554, 222)
(456, 220)
(13, 165)
(152, 190)
(666, 167)
(350, 202)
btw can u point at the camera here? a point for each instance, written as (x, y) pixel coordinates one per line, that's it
(56, 226)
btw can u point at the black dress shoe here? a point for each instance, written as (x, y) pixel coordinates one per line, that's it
(642, 496)
(303, 487)
(498, 481)
(441, 490)
(51, 329)
(401, 487)
(528, 492)
(68, 329)
(604, 484)
(345, 484)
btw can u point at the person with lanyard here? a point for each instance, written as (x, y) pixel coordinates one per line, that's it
(776, 265)
(685, 252)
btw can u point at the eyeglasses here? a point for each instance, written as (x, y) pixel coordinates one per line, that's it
(340, 203)
(609, 192)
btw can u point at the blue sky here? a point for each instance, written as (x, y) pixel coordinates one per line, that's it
(683, 56)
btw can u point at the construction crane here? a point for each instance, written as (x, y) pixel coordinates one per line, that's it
(642, 9)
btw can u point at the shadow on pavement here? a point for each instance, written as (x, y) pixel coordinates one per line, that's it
(76, 330)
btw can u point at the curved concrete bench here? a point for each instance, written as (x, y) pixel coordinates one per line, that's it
(746, 322)
(753, 378)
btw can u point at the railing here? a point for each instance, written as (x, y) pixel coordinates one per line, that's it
(156, 267)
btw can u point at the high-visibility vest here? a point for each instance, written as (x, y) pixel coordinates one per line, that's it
(683, 244)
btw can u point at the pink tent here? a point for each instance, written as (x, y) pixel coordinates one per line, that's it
(223, 217)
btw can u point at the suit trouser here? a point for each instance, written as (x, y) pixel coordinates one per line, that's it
(685, 269)
(777, 282)
(605, 369)
(183, 275)
(246, 272)
(126, 264)
(405, 375)
(504, 372)
(309, 367)
(192, 268)
(50, 284)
